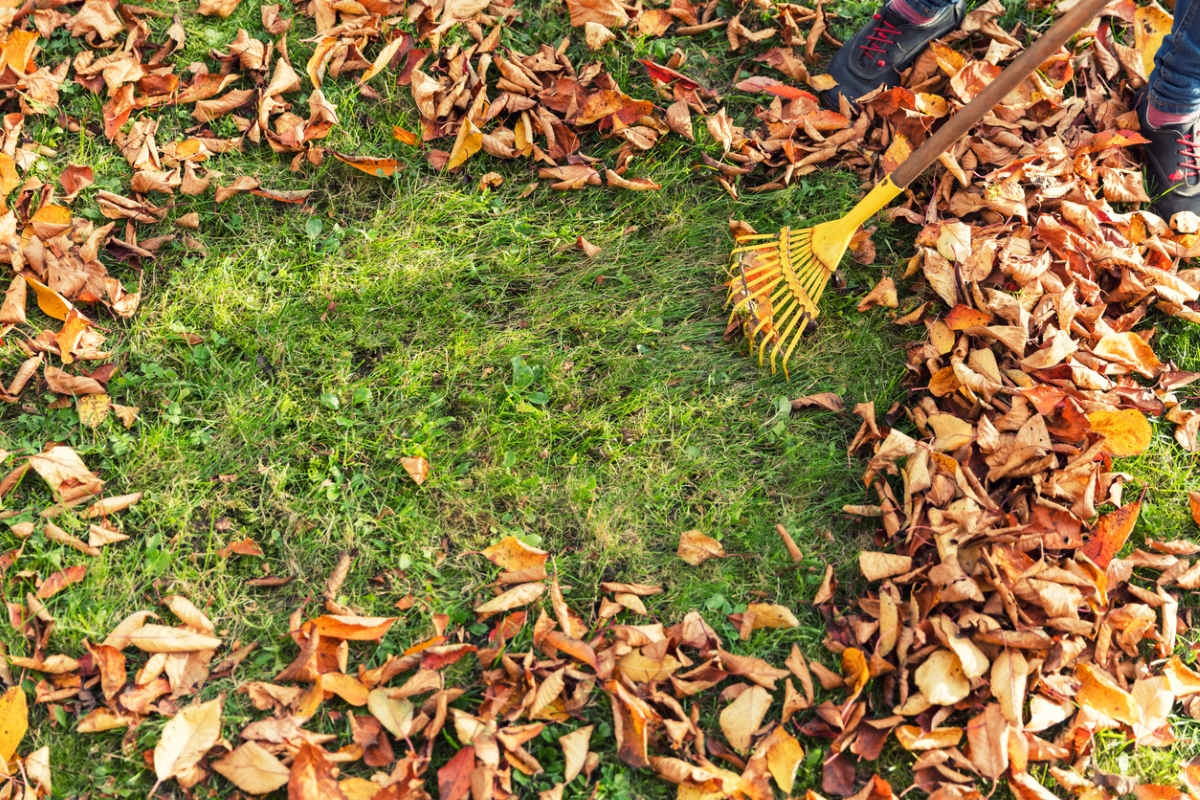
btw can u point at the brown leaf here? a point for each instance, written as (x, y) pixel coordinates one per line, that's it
(988, 735)
(608, 13)
(597, 36)
(164, 639)
(75, 179)
(416, 467)
(590, 250)
(454, 779)
(744, 716)
(217, 8)
(1099, 692)
(695, 548)
(61, 580)
(877, 566)
(243, 547)
(515, 597)
(884, 294)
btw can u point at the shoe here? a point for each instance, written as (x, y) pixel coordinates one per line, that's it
(1172, 163)
(885, 46)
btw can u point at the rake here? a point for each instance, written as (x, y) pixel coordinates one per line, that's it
(777, 279)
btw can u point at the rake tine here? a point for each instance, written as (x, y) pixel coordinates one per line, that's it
(786, 333)
(804, 320)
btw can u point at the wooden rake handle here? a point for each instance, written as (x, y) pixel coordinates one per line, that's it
(1012, 76)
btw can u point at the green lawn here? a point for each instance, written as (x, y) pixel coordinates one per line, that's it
(589, 402)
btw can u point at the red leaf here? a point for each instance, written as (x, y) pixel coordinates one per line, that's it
(508, 628)
(454, 779)
(761, 83)
(667, 75)
(437, 658)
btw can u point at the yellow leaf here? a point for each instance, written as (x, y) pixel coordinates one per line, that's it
(854, 669)
(14, 721)
(186, 738)
(1126, 432)
(1150, 24)
(783, 759)
(1100, 693)
(93, 409)
(512, 555)
(395, 715)
(50, 302)
(468, 142)
(911, 737)
(18, 50)
(252, 769)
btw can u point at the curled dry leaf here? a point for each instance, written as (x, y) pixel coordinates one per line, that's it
(695, 548)
(515, 597)
(416, 467)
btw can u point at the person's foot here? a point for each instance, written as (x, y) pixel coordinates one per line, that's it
(1172, 160)
(885, 46)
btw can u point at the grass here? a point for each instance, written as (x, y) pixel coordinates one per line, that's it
(590, 403)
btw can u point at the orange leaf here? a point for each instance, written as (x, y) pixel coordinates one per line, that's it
(1126, 432)
(962, 317)
(312, 777)
(361, 629)
(1112, 530)
(245, 547)
(379, 167)
(580, 651)
(61, 580)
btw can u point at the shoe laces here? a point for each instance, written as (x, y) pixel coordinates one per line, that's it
(878, 39)
(1189, 162)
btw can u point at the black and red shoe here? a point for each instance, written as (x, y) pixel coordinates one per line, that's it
(1172, 164)
(885, 46)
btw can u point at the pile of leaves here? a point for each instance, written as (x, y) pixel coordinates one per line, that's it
(1088, 87)
(1000, 630)
(654, 678)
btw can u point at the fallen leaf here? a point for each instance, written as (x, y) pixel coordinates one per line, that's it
(185, 739)
(744, 716)
(695, 548)
(1110, 534)
(515, 597)
(575, 749)
(217, 8)
(252, 769)
(14, 721)
(454, 779)
(394, 715)
(417, 468)
(1126, 432)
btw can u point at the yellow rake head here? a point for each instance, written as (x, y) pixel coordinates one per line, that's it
(777, 279)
